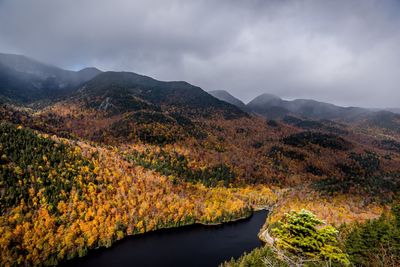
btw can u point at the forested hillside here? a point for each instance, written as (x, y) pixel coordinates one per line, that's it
(124, 154)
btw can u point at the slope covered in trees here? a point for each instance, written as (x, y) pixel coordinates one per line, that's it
(32, 165)
(89, 194)
(118, 92)
(125, 154)
(96, 198)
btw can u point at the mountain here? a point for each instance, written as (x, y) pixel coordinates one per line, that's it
(135, 107)
(87, 74)
(25, 80)
(272, 106)
(120, 92)
(227, 97)
(123, 154)
(383, 119)
(265, 99)
(394, 110)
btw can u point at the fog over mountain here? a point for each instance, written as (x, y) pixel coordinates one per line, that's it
(342, 52)
(24, 79)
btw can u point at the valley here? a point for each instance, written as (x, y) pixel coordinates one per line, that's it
(99, 156)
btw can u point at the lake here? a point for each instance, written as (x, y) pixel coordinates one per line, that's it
(194, 245)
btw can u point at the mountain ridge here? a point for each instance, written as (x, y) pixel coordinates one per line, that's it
(27, 80)
(127, 88)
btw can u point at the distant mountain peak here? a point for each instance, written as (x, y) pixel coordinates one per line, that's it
(27, 80)
(93, 69)
(89, 73)
(24, 64)
(268, 96)
(227, 97)
(265, 99)
(272, 106)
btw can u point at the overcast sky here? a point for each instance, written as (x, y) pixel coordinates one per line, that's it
(342, 51)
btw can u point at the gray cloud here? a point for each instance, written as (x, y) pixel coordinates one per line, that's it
(344, 51)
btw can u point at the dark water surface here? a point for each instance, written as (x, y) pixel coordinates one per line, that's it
(194, 245)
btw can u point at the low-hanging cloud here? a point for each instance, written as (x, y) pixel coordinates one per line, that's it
(343, 51)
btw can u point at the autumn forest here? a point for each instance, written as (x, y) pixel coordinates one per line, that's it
(116, 154)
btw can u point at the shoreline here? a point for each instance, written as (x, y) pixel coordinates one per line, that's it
(254, 209)
(263, 234)
(154, 231)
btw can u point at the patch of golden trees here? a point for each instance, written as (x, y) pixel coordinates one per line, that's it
(122, 200)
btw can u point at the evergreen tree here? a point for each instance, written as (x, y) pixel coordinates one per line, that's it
(305, 237)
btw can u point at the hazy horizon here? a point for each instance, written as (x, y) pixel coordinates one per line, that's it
(245, 102)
